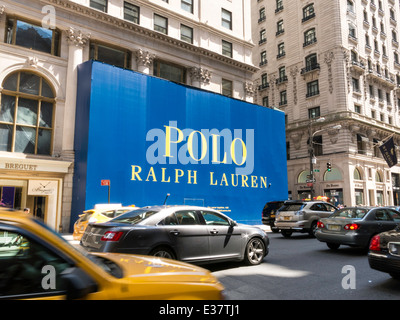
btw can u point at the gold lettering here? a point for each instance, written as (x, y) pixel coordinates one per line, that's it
(190, 177)
(203, 143)
(254, 182)
(244, 181)
(244, 153)
(163, 175)
(151, 173)
(235, 184)
(215, 150)
(168, 139)
(263, 182)
(136, 173)
(212, 183)
(223, 180)
(178, 173)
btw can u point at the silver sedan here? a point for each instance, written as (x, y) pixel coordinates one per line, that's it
(187, 233)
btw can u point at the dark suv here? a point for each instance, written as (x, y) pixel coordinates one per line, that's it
(268, 213)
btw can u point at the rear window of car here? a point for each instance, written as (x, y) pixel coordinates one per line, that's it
(352, 213)
(134, 217)
(292, 207)
(270, 206)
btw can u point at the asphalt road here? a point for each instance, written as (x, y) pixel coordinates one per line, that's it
(302, 268)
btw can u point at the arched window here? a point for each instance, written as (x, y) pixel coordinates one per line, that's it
(303, 177)
(332, 175)
(378, 177)
(26, 114)
(357, 174)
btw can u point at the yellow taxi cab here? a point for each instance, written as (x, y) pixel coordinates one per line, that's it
(100, 213)
(37, 263)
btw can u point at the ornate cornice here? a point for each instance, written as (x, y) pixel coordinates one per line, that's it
(154, 35)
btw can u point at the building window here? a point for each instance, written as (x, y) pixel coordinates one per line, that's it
(187, 5)
(227, 48)
(264, 81)
(265, 101)
(356, 85)
(357, 174)
(227, 87)
(169, 71)
(311, 63)
(314, 113)
(357, 108)
(226, 17)
(282, 74)
(279, 5)
(131, 12)
(283, 98)
(263, 36)
(350, 6)
(160, 24)
(309, 37)
(263, 58)
(262, 15)
(312, 88)
(33, 36)
(279, 27)
(26, 114)
(362, 144)
(114, 56)
(308, 12)
(99, 5)
(186, 34)
(281, 50)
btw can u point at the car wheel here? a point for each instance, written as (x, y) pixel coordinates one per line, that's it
(286, 233)
(162, 252)
(313, 229)
(255, 252)
(333, 246)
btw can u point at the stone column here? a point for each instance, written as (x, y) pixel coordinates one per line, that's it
(199, 76)
(76, 41)
(144, 61)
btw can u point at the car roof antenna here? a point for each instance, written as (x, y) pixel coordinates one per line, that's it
(165, 201)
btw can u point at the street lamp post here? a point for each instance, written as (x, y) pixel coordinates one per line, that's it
(311, 150)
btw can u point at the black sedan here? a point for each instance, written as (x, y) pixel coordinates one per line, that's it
(384, 252)
(187, 233)
(355, 226)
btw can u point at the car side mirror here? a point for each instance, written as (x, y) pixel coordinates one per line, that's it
(232, 223)
(77, 283)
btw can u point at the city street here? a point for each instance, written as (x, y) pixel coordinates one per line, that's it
(302, 268)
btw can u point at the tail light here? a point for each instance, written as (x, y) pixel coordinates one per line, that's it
(375, 243)
(352, 226)
(320, 225)
(112, 236)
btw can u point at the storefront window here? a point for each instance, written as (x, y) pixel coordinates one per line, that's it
(10, 197)
(359, 196)
(26, 114)
(379, 198)
(170, 71)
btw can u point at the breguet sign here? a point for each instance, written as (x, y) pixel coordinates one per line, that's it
(151, 137)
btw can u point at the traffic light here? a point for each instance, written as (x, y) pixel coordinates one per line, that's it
(329, 167)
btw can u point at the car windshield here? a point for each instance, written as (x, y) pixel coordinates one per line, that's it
(292, 207)
(352, 213)
(134, 217)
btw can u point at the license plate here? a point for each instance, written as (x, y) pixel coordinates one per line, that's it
(286, 218)
(334, 227)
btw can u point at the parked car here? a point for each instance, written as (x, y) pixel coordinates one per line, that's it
(100, 213)
(355, 226)
(187, 233)
(384, 252)
(40, 264)
(301, 216)
(268, 214)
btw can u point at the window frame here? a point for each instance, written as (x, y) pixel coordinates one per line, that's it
(160, 28)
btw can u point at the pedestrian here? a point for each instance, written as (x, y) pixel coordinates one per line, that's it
(27, 210)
